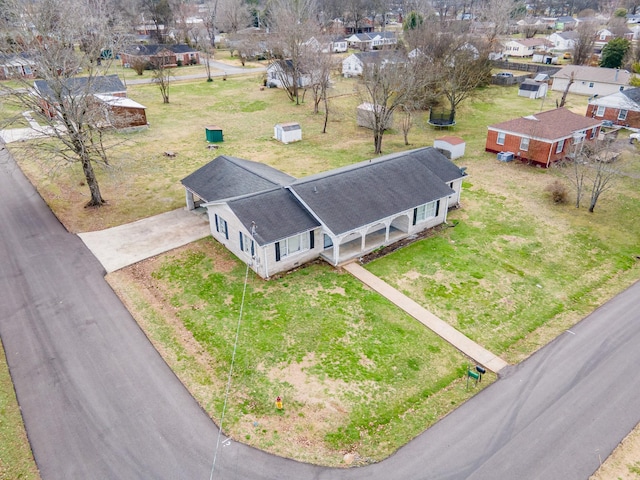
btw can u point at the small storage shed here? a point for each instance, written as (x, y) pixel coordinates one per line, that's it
(532, 89)
(287, 132)
(365, 116)
(214, 134)
(452, 147)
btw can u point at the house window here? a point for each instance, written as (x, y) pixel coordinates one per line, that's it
(221, 226)
(246, 244)
(593, 133)
(600, 111)
(500, 140)
(622, 115)
(590, 84)
(426, 211)
(524, 143)
(560, 146)
(294, 244)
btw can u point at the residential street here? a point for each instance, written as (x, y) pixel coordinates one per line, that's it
(99, 401)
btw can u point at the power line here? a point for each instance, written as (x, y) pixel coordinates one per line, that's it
(233, 359)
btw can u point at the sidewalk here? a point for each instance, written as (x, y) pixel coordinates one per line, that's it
(441, 328)
(127, 244)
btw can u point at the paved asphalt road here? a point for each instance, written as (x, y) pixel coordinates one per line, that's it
(99, 402)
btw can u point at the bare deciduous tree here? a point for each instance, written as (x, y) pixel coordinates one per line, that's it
(162, 77)
(65, 37)
(294, 23)
(386, 86)
(583, 46)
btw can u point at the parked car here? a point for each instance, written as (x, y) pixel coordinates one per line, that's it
(504, 75)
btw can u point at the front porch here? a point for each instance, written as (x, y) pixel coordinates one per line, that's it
(355, 247)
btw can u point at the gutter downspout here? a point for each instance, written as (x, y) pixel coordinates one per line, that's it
(549, 156)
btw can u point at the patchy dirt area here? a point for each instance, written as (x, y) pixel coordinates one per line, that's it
(284, 434)
(624, 462)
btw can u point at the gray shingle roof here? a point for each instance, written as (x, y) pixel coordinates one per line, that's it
(633, 94)
(277, 214)
(106, 84)
(361, 194)
(153, 49)
(229, 177)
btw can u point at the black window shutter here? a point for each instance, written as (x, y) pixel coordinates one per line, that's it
(277, 251)
(241, 243)
(437, 207)
(415, 215)
(312, 239)
(226, 229)
(217, 228)
(252, 250)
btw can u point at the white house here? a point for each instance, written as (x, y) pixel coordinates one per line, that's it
(372, 40)
(590, 80)
(275, 223)
(354, 64)
(287, 132)
(563, 40)
(525, 47)
(279, 74)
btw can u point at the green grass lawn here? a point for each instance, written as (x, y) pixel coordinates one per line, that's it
(356, 373)
(16, 460)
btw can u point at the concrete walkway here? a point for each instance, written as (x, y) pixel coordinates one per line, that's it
(127, 244)
(438, 326)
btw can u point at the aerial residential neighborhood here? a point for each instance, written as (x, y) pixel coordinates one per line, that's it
(286, 239)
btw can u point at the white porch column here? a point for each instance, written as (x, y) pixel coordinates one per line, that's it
(336, 252)
(190, 203)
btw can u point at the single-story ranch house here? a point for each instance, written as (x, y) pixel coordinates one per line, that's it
(542, 138)
(275, 222)
(621, 108)
(590, 80)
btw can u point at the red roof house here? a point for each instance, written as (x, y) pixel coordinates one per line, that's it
(542, 138)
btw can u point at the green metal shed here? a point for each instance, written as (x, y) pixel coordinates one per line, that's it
(214, 134)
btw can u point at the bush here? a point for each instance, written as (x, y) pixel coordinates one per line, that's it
(179, 63)
(558, 192)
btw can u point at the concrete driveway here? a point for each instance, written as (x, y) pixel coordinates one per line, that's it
(127, 244)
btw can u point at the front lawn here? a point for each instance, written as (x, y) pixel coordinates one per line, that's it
(356, 374)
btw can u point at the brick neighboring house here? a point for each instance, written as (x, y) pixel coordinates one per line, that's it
(620, 108)
(542, 138)
(169, 55)
(16, 66)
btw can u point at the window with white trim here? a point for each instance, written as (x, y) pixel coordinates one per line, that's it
(426, 211)
(524, 143)
(600, 111)
(593, 133)
(590, 84)
(560, 146)
(246, 244)
(622, 114)
(221, 226)
(500, 140)
(294, 244)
